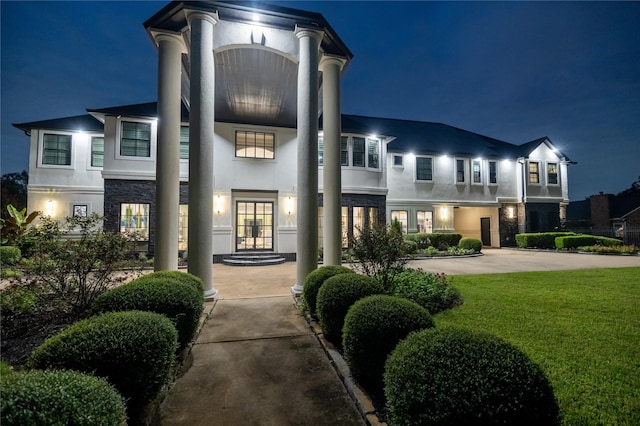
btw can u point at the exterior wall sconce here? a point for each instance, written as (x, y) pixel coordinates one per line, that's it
(288, 205)
(218, 208)
(444, 214)
(511, 213)
(49, 208)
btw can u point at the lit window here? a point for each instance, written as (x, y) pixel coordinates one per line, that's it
(344, 150)
(552, 173)
(56, 149)
(320, 150)
(493, 172)
(358, 152)
(460, 171)
(358, 220)
(135, 139)
(373, 216)
(534, 172)
(255, 145)
(373, 153)
(476, 169)
(402, 217)
(425, 221)
(135, 218)
(97, 151)
(424, 168)
(184, 142)
(345, 226)
(397, 161)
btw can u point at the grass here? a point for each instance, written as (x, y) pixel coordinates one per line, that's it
(582, 327)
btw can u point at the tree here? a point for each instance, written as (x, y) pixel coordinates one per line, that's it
(634, 189)
(14, 191)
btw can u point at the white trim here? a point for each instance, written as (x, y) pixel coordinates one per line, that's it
(546, 173)
(465, 171)
(42, 189)
(471, 173)
(153, 138)
(415, 171)
(90, 151)
(72, 159)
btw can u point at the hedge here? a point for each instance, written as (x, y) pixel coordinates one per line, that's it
(449, 376)
(184, 277)
(60, 398)
(439, 240)
(433, 292)
(470, 244)
(9, 255)
(372, 328)
(314, 281)
(133, 350)
(181, 302)
(541, 240)
(575, 241)
(336, 296)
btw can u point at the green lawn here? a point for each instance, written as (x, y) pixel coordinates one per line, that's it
(582, 327)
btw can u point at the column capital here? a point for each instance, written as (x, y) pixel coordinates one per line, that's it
(166, 35)
(301, 32)
(192, 15)
(327, 60)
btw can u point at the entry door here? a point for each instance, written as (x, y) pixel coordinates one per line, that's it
(254, 225)
(485, 231)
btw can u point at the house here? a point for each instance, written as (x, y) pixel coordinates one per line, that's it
(233, 156)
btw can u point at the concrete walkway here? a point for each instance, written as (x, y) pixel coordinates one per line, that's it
(257, 361)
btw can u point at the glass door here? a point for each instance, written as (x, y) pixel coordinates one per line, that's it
(254, 225)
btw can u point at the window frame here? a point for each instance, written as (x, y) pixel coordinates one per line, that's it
(475, 163)
(405, 225)
(393, 161)
(92, 151)
(135, 229)
(429, 230)
(255, 133)
(41, 149)
(121, 125)
(364, 151)
(530, 174)
(492, 178)
(456, 171)
(182, 143)
(557, 173)
(152, 139)
(369, 143)
(415, 177)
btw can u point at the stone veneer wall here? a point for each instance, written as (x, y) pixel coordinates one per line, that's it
(117, 192)
(508, 226)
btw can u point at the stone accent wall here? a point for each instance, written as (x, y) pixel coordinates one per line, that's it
(508, 225)
(117, 192)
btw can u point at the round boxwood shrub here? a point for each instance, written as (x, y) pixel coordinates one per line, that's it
(450, 376)
(470, 244)
(314, 281)
(56, 397)
(433, 292)
(9, 255)
(133, 350)
(181, 302)
(336, 296)
(183, 277)
(372, 329)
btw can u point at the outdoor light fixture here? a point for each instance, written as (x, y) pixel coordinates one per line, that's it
(218, 204)
(289, 205)
(511, 212)
(444, 214)
(49, 208)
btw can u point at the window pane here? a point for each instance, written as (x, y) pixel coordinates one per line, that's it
(425, 221)
(358, 152)
(373, 216)
(477, 177)
(135, 218)
(358, 220)
(534, 173)
(97, 151)
(320, 150)
(401, 216)
(552, 173)
(397, 160)
(345, 226)
(184, 142)
(135, 139)
(320, 231)
(344, 151)
(255, 145)
(373, 153)
(493, 172)
(459, 170)
(56, 150)
(424, 168)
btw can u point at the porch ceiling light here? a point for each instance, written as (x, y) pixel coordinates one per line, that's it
(444, 213)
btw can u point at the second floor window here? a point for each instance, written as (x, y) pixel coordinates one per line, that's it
(534, 172)
(56, 149)
(97, 151)
(552, 173)
(135, 139)
(255, 144)
(358, 152)
(493, 172)
(424, 168)
(459, 171)
(184, 142)
(477, 175)
(373, 153)
(344, 151)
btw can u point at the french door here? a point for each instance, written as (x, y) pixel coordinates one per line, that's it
(254, 225)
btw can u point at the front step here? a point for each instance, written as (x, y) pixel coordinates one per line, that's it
(253, 259)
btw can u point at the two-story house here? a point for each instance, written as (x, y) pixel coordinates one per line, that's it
(247, 150)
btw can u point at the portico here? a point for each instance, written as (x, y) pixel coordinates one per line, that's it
(247, 66)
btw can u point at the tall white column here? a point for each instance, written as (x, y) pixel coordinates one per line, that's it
(332, 181)
(307, 181)
(170, 47)
(201, 126)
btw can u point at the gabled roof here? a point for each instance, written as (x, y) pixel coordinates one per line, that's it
(529, 147)
(84, 123)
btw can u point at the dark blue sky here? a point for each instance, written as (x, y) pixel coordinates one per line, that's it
(515, 71)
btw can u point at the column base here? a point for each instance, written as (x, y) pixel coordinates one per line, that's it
(211, 294)
(296, 290)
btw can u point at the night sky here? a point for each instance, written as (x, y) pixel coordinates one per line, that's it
(514, 71)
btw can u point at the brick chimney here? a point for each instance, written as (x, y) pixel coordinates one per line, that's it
(600, 210)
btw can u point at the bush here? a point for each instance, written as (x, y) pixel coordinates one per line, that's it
(372, 329)
(622, 250)
(336, 296)
(470, 244)
(433, 292)
(183, 277)
(16, 299)
(541, 240)
(133, 350)
(60, 398)
(5, 371)
(314, 281)
(181, 302)
(450, 376)
(439, 240)
(575, 241)
(9, 255)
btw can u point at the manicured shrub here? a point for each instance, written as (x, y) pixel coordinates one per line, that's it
(314, 281)
(9, 255)
(575, 241)
(133, 350)
(184, 277)
(449, 376)
(433, 292)
(372, 328)
(439, 240)
(60, 398)
(541, 240)
(336, 296)
(181, 302)
(470, 244)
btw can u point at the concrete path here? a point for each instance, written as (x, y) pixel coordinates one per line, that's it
(257, 362)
